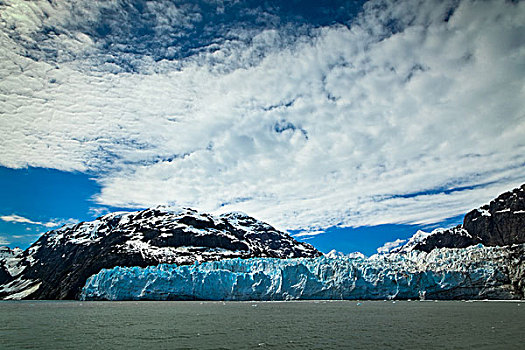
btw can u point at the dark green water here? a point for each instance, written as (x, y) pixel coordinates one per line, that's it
(254, 325)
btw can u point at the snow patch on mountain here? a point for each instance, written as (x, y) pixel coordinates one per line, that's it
(19, 288)
(10, 260)
(334, 254)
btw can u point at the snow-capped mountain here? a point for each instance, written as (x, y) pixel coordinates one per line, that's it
(445, 273)
(58, 264)
(456, 237)
(499, 223)
(333, 254)
(9, 262)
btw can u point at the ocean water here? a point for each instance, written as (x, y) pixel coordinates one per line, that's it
(262, 325)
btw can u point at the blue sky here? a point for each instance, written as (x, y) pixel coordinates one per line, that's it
(347, 123)
(45, 197)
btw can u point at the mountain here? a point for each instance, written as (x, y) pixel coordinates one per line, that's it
(58, 264)
(9, 262)
(499, 223)
(333, 254)
(476, 272)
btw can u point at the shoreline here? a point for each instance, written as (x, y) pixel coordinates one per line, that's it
(314, 301)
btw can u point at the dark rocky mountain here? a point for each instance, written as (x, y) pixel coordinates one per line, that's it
(4, 275)
(499, 223)
(59, 263)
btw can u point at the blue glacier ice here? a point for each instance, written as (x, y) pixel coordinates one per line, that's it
(470, 273)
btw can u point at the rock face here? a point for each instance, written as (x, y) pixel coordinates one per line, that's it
(471, 273)
(499, 223)
(4, 275)
(59, 263)
(9, 261)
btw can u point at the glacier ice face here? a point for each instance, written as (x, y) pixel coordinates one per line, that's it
(471, 273)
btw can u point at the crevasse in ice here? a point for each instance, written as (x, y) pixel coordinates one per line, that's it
(474, 272)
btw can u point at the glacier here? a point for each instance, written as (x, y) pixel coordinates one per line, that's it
(476, 272)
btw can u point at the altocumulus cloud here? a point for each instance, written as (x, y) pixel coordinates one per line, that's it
(409, 112)
(4, 240)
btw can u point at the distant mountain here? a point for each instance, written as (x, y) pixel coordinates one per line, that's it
(499, 223)
(333, 254)
(59, 263)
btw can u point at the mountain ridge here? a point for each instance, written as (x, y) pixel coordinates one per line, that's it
(501, 222)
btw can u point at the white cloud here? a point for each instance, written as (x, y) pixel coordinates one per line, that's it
(4, 241)
(308, 233)
(98, 211)
(388, 246)
(20, 219)
(351, 126)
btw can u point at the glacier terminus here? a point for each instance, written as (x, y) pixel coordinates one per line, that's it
(476, 272)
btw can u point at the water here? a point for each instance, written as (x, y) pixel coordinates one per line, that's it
(264, 325)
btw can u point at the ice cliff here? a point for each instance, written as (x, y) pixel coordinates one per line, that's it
(470, 273)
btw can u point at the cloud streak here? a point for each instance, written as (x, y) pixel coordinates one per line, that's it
(308, 233)
(22, 220)
(369, 121)
(4, 241)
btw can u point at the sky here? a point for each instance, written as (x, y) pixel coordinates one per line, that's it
(348, 124)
